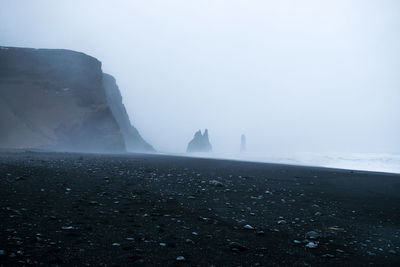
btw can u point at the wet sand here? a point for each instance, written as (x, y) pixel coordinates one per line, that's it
(151, 210)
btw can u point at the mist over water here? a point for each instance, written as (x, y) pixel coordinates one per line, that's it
(351, 161)
(308, 82)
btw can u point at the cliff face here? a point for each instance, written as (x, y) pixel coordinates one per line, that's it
(133, 140)
(199, 143)
(55, 99)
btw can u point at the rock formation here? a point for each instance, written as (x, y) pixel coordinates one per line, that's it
(199, 143)
(55, 99)
(243, 143)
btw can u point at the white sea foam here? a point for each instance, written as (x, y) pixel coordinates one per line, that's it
(354, 161)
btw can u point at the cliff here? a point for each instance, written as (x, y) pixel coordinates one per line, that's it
(199, 143)
(55, 99)
(133, 140)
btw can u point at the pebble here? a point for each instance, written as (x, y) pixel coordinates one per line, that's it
(312, 235)
(235, 246)
(215, 182)
(180, 258)
(311, 245)
(248, 226)
(2, 252)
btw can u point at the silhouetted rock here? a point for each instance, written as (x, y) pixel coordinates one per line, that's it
(55, 99)
(199, 143)
(243, 143)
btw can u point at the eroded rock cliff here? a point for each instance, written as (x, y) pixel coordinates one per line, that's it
(55, 99)
(133, 140)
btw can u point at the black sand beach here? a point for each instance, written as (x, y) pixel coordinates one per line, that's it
(151, 210)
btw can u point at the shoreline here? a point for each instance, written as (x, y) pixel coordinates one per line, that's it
(200, 156)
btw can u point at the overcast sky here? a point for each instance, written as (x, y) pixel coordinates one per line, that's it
(293, 76)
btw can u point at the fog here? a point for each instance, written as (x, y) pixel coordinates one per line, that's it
(293, 76)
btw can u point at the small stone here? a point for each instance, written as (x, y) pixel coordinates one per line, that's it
(259, 232)
(215, 182)
(180, 258)
(312, 235)
(311, 245)
(248, 227)
(328, 256)
(390, 251)
(2, 252)
(67, 227)
(116, 244)
(281, 222)
(163, 244)
(296, 241)
(235, 246)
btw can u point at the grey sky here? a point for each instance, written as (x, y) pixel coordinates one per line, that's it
(292, 75)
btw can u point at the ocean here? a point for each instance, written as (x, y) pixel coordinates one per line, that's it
(353, 161)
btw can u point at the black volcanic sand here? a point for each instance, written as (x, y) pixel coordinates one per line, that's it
(151, 210)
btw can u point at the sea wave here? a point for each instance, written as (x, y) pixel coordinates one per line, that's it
(354, 161)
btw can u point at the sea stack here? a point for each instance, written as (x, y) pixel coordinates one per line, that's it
(243, 143)
(199, 143)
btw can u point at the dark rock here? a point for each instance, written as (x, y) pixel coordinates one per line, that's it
(248, 227)
(56, 99)
(235, 246)
(312, 235)
(180, 258)
(216, 183)
(312, 245)
(199, 143)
